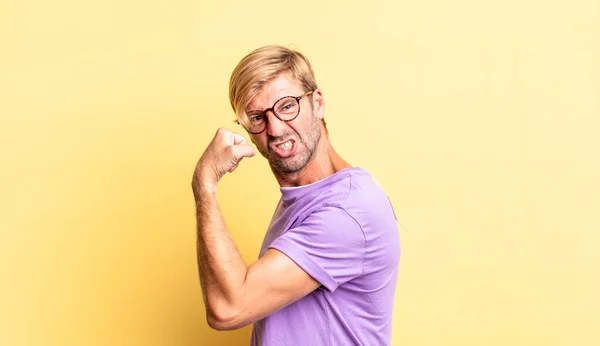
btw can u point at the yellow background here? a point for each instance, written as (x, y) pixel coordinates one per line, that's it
(479, 118)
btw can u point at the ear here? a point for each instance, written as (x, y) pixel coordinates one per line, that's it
(318, 103)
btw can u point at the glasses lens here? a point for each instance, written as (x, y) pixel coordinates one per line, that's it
(287, 108)
(256, 122)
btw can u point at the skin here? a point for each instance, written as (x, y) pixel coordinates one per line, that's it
(235, 294)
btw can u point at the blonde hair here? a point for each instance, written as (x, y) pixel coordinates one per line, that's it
(261, 66)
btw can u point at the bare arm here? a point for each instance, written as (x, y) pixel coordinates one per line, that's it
(236, 295)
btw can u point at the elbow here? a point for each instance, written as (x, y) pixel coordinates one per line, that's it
(219, 323)
(224, 319)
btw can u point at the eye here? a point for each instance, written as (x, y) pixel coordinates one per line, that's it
(255, 118)
(287, 107)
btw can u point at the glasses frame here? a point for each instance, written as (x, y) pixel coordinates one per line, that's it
(272, 109)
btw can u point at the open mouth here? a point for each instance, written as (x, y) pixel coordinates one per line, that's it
(284, 149)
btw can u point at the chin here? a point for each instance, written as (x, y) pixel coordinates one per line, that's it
(286, 169)
(289, 166)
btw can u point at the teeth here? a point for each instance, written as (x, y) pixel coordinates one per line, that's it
(287, 145)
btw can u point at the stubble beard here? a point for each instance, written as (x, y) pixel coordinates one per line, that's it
(305, 148)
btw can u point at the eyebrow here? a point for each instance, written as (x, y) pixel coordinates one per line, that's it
(279, 98)
(253, 110)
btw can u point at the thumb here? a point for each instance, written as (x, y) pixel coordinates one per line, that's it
(243, 150)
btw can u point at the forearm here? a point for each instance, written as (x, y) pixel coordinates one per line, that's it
(221, 268)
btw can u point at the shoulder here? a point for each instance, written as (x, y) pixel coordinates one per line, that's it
(350, 194)
(346, 184)
(365, 190)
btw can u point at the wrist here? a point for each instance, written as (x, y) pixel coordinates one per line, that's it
(202, 184)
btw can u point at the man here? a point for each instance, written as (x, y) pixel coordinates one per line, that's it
(327, 270)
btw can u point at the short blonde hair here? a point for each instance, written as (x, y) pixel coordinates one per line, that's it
(261, 66)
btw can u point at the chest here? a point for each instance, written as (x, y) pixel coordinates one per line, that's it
(282, 220)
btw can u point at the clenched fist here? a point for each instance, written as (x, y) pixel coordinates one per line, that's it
(222, 155)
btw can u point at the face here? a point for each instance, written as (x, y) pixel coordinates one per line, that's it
(288, 146)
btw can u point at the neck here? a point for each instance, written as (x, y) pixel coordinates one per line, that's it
(324, 162)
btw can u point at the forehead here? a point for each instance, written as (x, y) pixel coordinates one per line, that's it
(278, 87)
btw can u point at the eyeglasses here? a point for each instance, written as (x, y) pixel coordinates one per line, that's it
(285, 109)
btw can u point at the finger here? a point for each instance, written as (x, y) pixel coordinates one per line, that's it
(234, 167)
(243, 150)
(238, 139)
(229, 137)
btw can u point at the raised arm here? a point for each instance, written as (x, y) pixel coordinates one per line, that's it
(236, 295)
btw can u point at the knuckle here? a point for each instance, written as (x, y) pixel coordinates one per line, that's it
(231, 151)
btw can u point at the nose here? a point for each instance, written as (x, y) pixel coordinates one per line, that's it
(275, 126)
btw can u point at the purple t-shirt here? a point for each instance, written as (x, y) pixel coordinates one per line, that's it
(342, 231)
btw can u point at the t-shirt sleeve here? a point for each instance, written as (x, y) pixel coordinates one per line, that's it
(329, 245)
